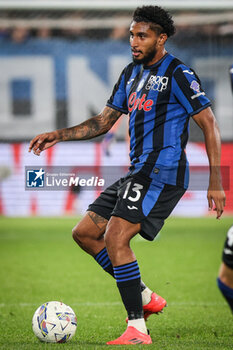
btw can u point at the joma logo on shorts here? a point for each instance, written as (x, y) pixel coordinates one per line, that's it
(139, 103)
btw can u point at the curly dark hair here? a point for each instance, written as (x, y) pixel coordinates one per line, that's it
(155, 15)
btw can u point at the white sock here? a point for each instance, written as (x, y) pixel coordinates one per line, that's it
(146, 296)
(139, 324)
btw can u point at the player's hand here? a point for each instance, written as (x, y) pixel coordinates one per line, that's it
(43, 141)
(216, 200)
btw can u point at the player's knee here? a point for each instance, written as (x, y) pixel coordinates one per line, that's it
(115, 239)
(78, 235)
(75, 234)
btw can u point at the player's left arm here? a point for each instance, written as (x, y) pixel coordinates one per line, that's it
(207, 122)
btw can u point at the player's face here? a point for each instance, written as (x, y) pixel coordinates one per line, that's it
(144, 43)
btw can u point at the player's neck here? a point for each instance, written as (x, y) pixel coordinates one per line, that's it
(158, 56)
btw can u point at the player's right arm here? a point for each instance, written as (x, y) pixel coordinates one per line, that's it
(89, 129)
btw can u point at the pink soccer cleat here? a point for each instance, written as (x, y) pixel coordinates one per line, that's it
(155, 306)
(131, 337)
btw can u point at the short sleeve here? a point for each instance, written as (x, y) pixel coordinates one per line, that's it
(187, 90)
(118, 99)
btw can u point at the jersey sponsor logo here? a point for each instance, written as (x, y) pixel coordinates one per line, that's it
(157, 83)
(139, 103)
(197, 95)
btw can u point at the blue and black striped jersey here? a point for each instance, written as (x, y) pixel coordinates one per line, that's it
(159, 100)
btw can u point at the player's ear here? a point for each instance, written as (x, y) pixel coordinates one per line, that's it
(162, 39)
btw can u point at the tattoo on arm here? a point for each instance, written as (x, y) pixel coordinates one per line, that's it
(100, 222)
(92, 127)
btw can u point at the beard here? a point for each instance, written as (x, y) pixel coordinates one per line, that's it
(147, 58)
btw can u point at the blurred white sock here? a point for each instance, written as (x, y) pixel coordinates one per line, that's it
(146, 296)
(139, 324)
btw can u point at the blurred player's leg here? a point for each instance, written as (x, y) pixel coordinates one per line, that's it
(225, 276)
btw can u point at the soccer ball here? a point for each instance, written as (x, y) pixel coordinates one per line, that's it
(54, 322)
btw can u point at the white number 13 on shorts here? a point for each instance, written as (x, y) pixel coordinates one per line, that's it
(136, 188)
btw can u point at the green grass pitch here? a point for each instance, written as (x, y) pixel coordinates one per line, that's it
(40, 262)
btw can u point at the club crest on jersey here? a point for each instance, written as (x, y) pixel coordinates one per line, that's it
(157, 83)
(139, 103)
(140, 85)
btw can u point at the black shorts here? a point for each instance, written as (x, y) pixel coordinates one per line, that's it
(227, 255)
(139, 200)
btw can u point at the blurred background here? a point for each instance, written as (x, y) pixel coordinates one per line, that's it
(59, 60)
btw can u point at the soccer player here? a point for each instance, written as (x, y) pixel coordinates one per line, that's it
(225, 276)
(160, 94)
